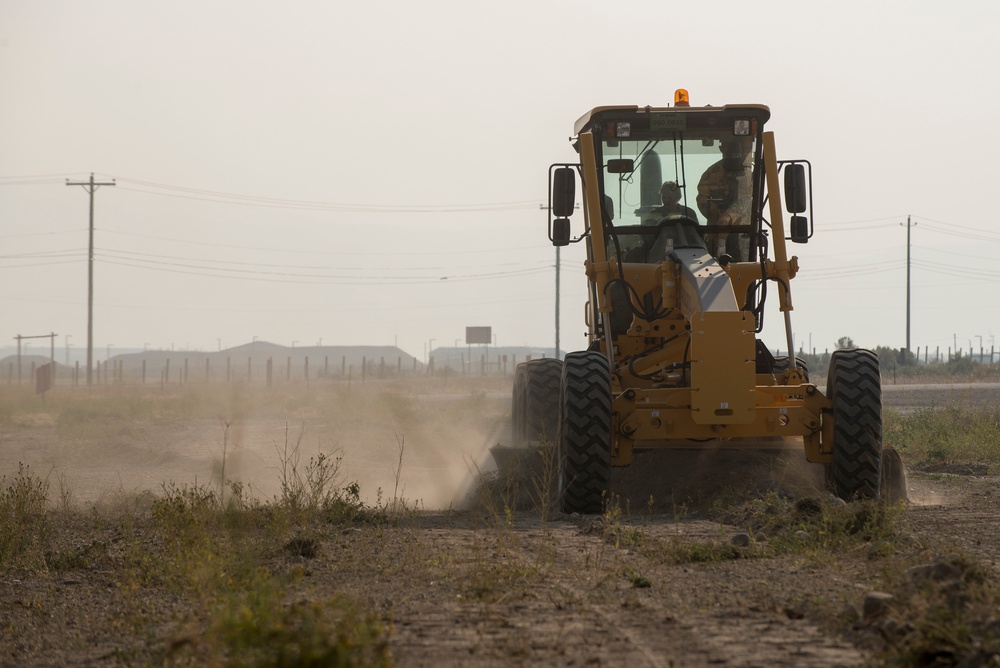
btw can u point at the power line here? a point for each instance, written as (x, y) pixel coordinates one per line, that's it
(316, 279)
(182, 192)
(352, 253)
(38, 234)
(983, 236)
(844, 223)
(141, 256)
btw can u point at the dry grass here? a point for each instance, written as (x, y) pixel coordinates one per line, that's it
(950, 434)
(215, 574)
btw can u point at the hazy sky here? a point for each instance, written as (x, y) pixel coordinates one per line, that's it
(372, 173)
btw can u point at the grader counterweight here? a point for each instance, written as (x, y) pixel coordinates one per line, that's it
(685, 237)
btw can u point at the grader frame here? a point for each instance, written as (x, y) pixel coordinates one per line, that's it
(677, 303)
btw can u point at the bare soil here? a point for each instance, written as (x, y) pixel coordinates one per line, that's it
(481, 574)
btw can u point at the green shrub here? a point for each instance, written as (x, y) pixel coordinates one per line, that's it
(946, 435)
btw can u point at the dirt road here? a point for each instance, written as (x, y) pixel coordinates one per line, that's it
(733, 562)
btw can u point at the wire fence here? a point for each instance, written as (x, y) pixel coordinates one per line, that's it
(268, 370)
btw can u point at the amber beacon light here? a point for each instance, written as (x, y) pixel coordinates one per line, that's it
(681, 98)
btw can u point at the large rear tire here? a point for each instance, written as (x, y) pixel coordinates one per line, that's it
(855, 388)
(535, 409)
(781, 365)
(584, 437)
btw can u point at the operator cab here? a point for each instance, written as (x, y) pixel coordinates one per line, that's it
(666, 167)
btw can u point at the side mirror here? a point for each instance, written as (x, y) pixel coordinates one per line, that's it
(799, 227)
(562, 197)
(795, 188)
(560, 232)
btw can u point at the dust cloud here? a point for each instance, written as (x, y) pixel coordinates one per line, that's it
(422, 441)
(419, 441)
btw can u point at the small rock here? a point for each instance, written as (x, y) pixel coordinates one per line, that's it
(760, 537)
(938, 572)
(795, 612)
(850, 613)
(741, 539)
(876, 604)
(802, 535)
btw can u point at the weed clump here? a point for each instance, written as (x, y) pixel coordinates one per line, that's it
(819, 524)
(23, 520)
(942, 613)
(258, 626)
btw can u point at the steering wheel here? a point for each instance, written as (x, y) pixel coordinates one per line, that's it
(678, 219)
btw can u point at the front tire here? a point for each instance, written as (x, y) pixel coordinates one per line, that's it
(584, 434)
(855, 388)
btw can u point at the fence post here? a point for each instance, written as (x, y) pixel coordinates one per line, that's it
(143, 371)
(166, 375)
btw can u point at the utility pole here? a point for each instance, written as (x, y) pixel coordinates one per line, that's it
(558, 356)
(90, 186)
(908, 226)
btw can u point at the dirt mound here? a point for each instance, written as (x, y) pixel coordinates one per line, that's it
(689, 481)
(697, 480)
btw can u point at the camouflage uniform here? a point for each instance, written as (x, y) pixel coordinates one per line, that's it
(725, 198)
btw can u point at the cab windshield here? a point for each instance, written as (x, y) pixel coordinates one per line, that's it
(697, 177)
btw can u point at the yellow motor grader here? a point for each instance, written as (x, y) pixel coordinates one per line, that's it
(684, 226)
